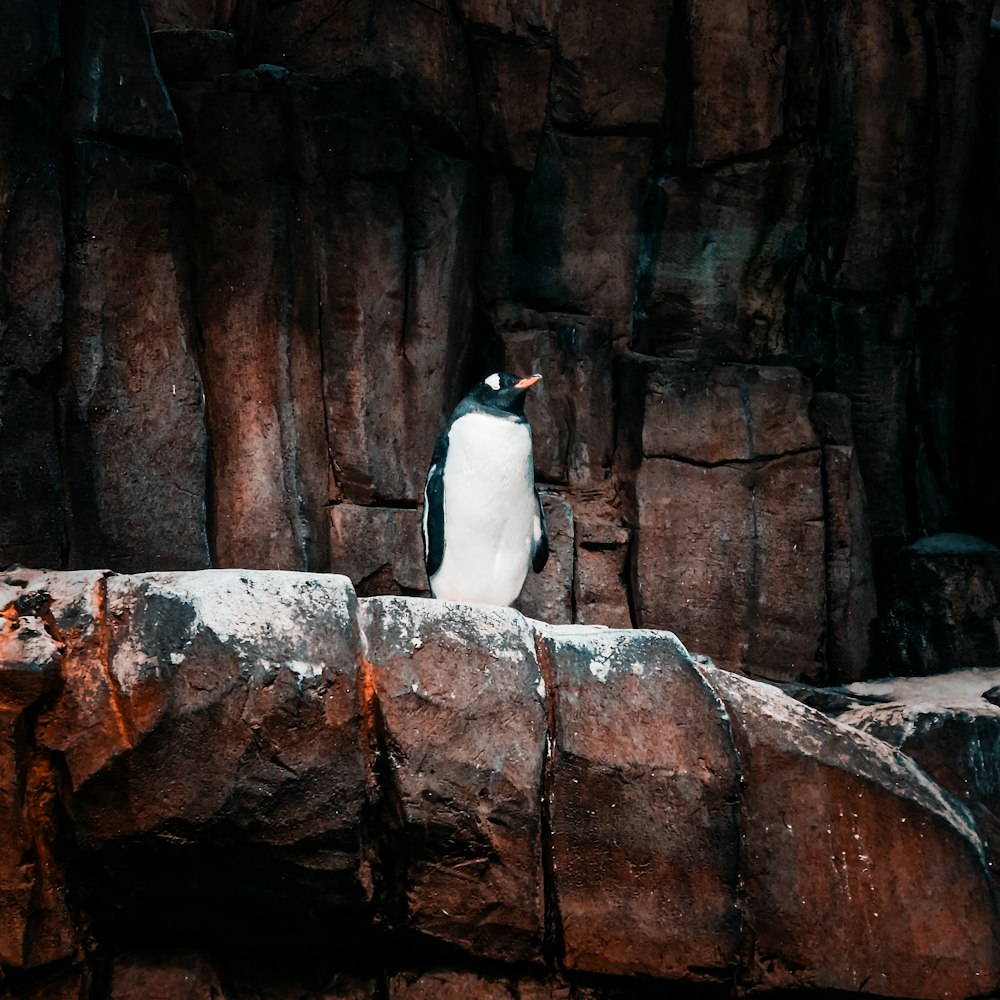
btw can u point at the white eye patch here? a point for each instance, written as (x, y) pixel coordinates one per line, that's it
(494, 381)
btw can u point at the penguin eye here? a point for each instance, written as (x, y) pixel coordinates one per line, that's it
(494, 381)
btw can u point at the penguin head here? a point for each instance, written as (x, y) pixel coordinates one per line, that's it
(503, 391)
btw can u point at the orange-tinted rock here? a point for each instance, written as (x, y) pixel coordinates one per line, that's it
(182, 977)
(844, 842)
(270, 476)
(231, 708)
(645, 843)
(460, 703)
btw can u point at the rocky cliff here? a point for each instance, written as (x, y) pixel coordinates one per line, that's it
(253, 252)
(252, 784)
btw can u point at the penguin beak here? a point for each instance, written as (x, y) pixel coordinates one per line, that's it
(527, 383)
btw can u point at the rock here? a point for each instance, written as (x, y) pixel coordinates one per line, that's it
(530, 20)
(270, 468)
(396, 331)
(31, 36)
(940, 599)
(380, 548)
(214, 706)
(114, 38)
(723, 247)
(447, 986)
(512, 87)
(576, 239)
(950, 726)
(463, 752)
(185, 54)
(31, 292)
(133, 409)
(743, 529)
(571, 409)
(189, 977)
(604, 78)
(256, 763)
(601, 594)
(836, 826)
(850, 582)
(548, 596)
(408, 57)
(628, 795)
(741, 69)
(197, 14)
(35, 922)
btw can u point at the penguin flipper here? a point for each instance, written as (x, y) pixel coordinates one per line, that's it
(433, 519)
(539, 537)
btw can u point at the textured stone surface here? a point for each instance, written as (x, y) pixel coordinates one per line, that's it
(943, 610)
(273, 791)
(134, 403)
(464, 752)
(729, 497)
(331, 220)
(824, 806)
(645, 846)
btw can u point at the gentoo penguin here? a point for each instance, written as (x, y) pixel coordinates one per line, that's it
(483, 521)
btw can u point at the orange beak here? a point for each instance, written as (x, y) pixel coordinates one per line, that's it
(527, 383)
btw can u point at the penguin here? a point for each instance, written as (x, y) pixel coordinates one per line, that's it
(483, 522)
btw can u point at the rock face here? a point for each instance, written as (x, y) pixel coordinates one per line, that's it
(255, 252)
(246, 783)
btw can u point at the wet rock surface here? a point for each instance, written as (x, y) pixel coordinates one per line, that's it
(252, 784)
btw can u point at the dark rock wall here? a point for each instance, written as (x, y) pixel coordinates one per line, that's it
(253, 253)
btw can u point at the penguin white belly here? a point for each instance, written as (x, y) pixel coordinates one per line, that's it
(489, 510)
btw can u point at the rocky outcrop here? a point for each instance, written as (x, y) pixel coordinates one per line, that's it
(254, 253)
(242, 783)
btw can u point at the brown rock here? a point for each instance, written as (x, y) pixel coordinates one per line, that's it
(396, 330)
(523, 19)
(30, 36)
(744, 533)
(379, 548)
(447, 986)
(950, 725)
(203, 14)
(940, 600)
(850, 583)
(571, 410)
(577, 237)
(184, 977)
(512, 88)
(31, 293)
(413, 53)
(726, 413)
(630, 795)
(257, 315)
(739, 68)
(601, 579)
(134, 405)
(548, 596)
(721, 256)
(845, 842)
(460, 702)
(185, 54)
(35, 923)
(604, 77)
(229, 712)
